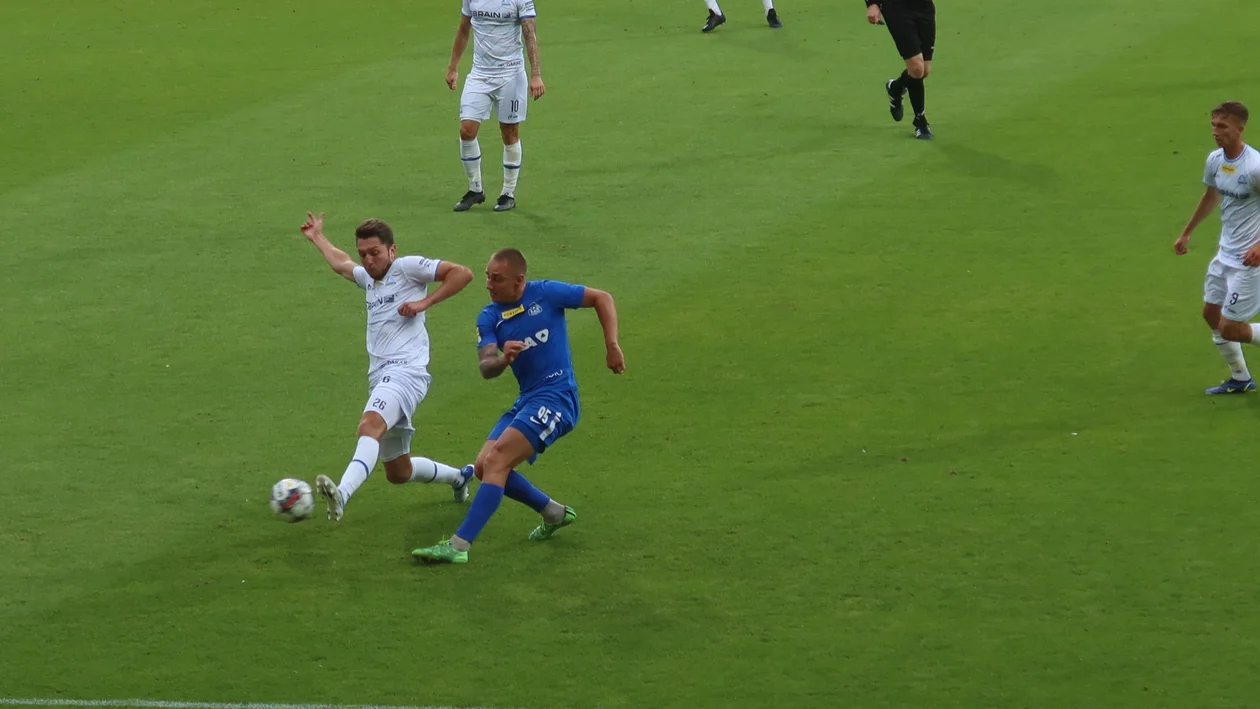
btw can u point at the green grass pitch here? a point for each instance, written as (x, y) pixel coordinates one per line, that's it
(905, 424)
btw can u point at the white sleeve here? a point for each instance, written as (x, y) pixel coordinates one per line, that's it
(361, 277)
(525, 9)
(418, 268)
(1209, 172)
(466, 9)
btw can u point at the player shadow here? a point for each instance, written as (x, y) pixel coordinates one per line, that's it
(979, 163)
(791, 47)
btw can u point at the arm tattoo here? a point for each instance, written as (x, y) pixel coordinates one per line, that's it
(531, 46)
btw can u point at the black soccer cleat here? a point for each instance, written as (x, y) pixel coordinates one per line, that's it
(505, 203)
(469, 199)
(896, 104)
(922, 130)
(772, 18)
(713, 22)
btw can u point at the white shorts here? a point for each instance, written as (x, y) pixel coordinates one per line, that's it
(508, 95)
(395, 395)
(1235, 289)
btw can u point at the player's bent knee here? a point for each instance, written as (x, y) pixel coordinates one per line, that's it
(372, 425)
(468, 129)
(495, 469)
(1235, 331)
(1212, 315)
(915, 68)
(398, 471)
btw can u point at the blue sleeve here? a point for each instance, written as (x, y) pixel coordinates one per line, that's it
(565, 295)
(485, 330)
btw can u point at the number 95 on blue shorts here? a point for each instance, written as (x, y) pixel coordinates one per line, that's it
(542, 416)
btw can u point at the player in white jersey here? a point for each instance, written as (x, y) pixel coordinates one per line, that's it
(717, 17)
(497, 81)
(1231, 290)
(398, 351)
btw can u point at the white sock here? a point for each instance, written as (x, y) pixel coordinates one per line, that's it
(712, 5)
(511, 167)
(360, 466)
(470, 153)
(1232, 353)
(424, 470)
(1255, 333)
(768, 4)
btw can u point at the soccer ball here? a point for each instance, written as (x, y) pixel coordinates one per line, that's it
(291, 500)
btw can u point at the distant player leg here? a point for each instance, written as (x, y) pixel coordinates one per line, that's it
(914, 36)
(1227, 333)
(1242, 302)
(511, 165)
(925, 23)
(772, 17)
(512, 105)
(715, 16)
(474, 107)
(470, 154)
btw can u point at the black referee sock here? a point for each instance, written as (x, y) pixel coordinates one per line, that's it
(915, 87)
(899, 84)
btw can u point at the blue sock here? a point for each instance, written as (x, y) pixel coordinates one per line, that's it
(484, 504)
(519, 488)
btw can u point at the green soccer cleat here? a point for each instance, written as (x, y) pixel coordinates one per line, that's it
(440, 553)
(544, 531)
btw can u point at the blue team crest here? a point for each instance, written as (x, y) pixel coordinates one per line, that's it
(1244, 179)
(535, 309)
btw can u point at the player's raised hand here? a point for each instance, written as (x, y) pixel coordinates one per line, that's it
(1182, 245)
(536, 87)
(413, 308)
(511, 348)
(452, 78)
(874, 16)
(616, 360)
(313, 227)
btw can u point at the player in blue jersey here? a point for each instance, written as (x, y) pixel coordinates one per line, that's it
(524, 328)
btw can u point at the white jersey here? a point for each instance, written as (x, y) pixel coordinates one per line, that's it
(497, 46)
(1238, 181)
(394, 340)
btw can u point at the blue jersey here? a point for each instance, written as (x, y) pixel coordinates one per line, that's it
(537, 319)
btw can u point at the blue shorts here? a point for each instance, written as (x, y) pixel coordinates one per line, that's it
(543, 416)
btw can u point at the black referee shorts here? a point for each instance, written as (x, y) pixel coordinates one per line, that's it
(912, 24)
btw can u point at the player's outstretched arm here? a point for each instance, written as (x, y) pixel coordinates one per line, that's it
(313, 230)
(1211, 197)
(606, 310)
(453, 278)
(529, 31)
(457, 50)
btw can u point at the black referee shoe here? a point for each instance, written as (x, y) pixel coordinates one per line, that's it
(468, 200)
(922, 130)
(895, 105)
(772, 18)
(713, 22)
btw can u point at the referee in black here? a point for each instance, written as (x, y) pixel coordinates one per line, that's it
(912, 24)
